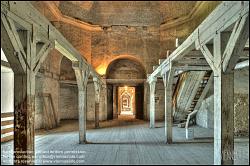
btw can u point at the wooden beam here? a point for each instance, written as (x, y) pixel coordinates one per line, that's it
(25, 13)
(236, 43)
(7, 138)
(241, 65)
(24, 90)
(7, 122)
(7, 130)
(42, 56)
(161, 61)
(193, 68)
(7, 114)
(219, 20)
(193, 61)
(208, 56)
(125, 81)
(7, 30)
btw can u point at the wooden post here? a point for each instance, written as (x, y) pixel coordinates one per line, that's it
(168, 84)
(223, 108)
(82, 74)
(152, 102)
(20, 47)
(223, 118)
(97, 101)
(24, 112)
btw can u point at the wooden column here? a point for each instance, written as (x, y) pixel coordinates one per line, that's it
(20, 46)
(82, 74)
(97, 101)
(152, 102)
(24, 112)
(223, 108)
(168, 85)
(227, 48)
(223, 117)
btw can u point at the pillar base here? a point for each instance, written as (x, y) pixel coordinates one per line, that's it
(83, 142)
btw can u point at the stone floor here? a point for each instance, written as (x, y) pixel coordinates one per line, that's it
(133, 143)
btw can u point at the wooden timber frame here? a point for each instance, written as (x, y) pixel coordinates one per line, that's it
(27, 37)
(220, 40)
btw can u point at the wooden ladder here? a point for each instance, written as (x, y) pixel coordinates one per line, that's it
(202, 85)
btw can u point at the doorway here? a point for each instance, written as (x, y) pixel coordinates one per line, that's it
(125, 101)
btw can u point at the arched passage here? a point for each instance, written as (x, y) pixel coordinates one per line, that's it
(125, 74)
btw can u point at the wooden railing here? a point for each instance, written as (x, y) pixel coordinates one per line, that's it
(6, 121)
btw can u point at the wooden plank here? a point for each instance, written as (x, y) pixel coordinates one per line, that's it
(46, 121)
(236, 43)
(8, 138)
(7, 114)
(53, 110)
(7, 122)
(7, 130)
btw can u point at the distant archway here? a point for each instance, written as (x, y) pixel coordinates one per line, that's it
(125, 68)
(103, 67)
(121, 73)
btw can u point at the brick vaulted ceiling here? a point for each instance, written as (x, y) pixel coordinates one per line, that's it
(130, 13)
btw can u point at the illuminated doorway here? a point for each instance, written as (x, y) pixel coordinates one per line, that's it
(126, 100)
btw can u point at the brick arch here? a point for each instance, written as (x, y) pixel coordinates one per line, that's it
(125, 57)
